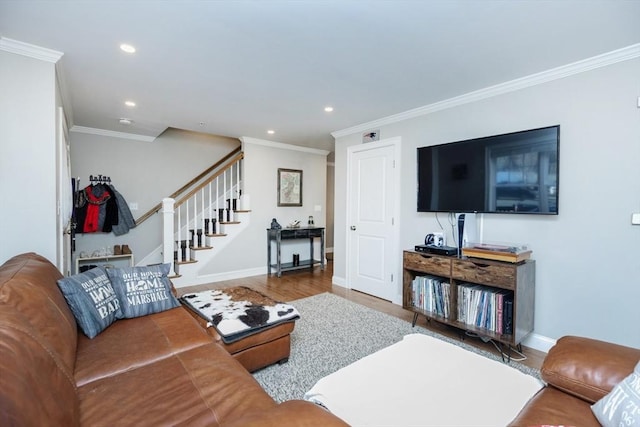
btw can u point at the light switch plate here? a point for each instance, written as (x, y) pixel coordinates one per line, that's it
(635, 218)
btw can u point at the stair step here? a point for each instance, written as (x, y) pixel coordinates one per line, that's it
(242, 211)
(215, 235)
(230, 222)
(200, 248)
(190, 261)
(175, 276)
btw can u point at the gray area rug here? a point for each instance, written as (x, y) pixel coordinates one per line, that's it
(333, 332)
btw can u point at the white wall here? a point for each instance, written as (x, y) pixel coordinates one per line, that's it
(144, 173)
(248, 251)
(27, 156)
(587, 257)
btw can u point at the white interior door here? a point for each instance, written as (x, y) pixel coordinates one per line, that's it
(372, 253)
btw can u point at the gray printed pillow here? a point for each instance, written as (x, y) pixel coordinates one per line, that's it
(621, 407)
(143, 290)
(92, 300)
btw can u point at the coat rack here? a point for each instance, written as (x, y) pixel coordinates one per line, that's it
(100, 179)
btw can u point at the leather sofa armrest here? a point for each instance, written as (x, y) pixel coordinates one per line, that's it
(587, 368)
(292, 413)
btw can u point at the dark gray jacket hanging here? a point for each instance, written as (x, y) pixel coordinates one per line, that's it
(125, 219)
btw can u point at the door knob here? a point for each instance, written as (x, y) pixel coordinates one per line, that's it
(353, 227)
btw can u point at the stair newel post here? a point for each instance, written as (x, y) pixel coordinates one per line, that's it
(167, 233)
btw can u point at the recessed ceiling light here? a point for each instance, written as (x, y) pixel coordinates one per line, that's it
(129, 103)
(328, 109)
(271, 131)
(125, 121)
(127, 48)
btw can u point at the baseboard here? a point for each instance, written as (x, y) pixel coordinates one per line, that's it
(539, 342)
(340, 281)
(219, 277)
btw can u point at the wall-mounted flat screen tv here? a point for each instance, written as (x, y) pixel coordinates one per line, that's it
(510, 173)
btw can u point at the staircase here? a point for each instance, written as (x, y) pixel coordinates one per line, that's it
(199, 224)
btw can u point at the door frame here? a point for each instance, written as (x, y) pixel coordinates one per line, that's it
(394, 142)
(64, 198)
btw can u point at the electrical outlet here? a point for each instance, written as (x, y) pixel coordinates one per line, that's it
(635, 218)
(133, 206)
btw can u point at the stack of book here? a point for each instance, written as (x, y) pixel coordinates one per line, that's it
(508, 253)
(431, 294)
(485, 307)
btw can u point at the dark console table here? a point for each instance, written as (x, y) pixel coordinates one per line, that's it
(278, 235)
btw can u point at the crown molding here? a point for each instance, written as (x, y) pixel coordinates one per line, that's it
(112, 133)
(273, 144)
(599, 61)
(30, 50)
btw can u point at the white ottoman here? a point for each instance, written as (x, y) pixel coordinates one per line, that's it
(423, 381)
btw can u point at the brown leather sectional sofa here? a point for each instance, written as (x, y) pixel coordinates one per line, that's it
(160, 369)
(163, 369)
(578, 371)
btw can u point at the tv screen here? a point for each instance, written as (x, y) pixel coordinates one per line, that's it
(510, 173)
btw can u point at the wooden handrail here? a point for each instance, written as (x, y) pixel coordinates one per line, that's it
(211, 178)
(176, 193)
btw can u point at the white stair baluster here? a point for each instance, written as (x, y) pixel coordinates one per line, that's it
(238, 182)
(217, 204)
(194, 242)
(179, 235)
(209, 230)
(224, 194)
(187, 218)
(202, 212)
(231, 193)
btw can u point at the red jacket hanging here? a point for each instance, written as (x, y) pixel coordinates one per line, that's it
(92, 219)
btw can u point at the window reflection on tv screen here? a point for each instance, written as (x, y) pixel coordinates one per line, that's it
(510, 173)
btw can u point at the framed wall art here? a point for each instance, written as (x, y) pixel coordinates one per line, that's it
(289, 187)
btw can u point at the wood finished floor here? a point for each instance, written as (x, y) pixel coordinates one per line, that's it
(305, 283)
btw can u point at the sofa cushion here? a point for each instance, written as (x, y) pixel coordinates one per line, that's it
(131, 343)
(28, 283)
(143, 290)
(92, 299)
(553, 407)
(35, 387)
(587, 368)
(622, 405)
(201, 386)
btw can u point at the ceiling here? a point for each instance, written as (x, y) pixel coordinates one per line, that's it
(239, 68)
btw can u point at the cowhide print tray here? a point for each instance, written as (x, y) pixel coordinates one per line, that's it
(239, 311)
